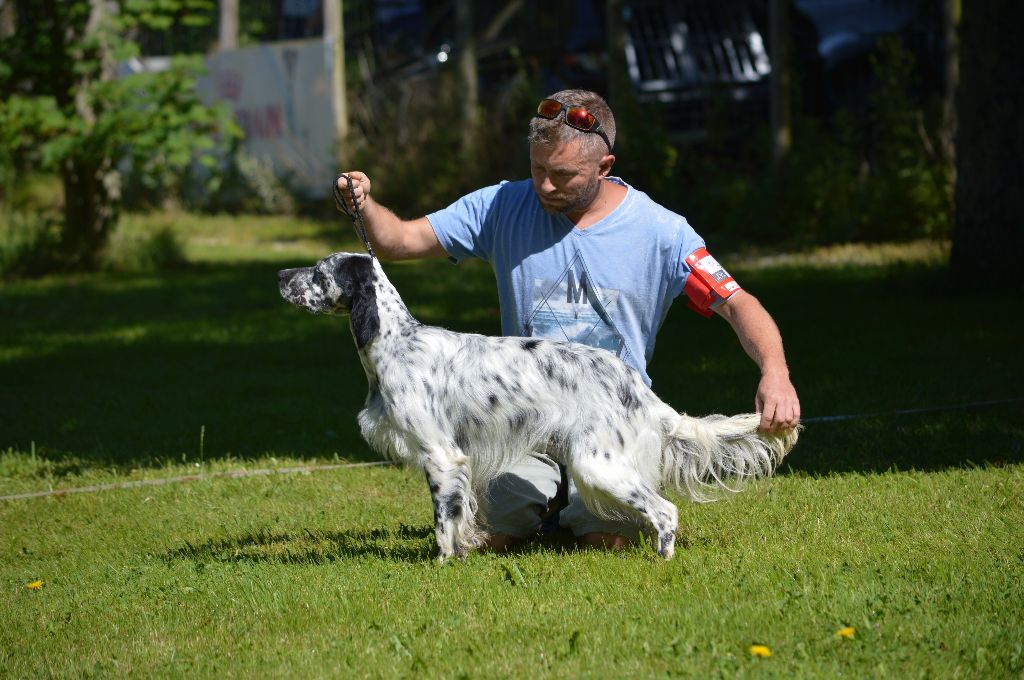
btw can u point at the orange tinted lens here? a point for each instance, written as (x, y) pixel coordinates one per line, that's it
(549, 108)
(578, 117)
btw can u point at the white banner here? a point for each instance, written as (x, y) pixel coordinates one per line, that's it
(281, 96)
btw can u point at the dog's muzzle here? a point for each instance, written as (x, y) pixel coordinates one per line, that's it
(294, 285)
(285, 276)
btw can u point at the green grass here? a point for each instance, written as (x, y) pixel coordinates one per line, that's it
(331, 575)
(905, 527)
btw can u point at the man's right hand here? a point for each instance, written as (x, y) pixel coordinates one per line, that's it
(392, 238)
(360, 186)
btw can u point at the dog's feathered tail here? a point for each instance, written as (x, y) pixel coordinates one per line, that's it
(720, 452)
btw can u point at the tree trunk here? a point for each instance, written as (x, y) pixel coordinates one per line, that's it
(465, 37)
(619, 87)
(228, 27)
(92, 184)
(951, 76)
(92, 193)
(988, 234)
(8, 19)
(334, 36)
(781, 109)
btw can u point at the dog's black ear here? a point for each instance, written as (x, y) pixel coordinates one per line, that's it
(356, 274)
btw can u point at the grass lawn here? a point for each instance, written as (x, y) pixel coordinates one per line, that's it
(905, 529)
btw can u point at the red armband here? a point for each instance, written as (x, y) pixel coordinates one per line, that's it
(707, 283)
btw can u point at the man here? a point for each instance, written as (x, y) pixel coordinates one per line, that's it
(580, 255)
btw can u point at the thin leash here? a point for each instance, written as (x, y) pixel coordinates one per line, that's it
(356, 215)
(910, 411)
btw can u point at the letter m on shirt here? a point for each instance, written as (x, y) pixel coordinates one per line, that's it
(574, 293)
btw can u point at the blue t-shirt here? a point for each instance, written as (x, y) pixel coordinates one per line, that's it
(609, 285)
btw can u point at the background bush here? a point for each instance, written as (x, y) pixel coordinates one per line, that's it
(857, 175)
(29, 243)
(866, 175)
(871, 173)
(144, 249)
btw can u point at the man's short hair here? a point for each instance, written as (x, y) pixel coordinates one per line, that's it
(548, 132)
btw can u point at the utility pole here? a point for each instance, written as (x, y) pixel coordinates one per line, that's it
(988, 242)
(228, 33)
(619, 86)
(781, 116)
(951, 77)
(465, 36)
(334, 43)
(8, 18)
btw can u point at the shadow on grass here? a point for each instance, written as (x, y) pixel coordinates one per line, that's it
(122, 370)
(404, 544)
(132, 371)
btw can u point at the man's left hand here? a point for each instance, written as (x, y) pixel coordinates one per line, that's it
(777, 402)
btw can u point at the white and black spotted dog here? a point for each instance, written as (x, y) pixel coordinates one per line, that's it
(464, 408)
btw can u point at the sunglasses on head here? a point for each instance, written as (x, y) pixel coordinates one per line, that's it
(575, 117)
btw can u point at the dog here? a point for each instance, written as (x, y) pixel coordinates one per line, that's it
(463, 408)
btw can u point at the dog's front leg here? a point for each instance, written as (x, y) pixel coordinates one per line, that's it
(449, 477)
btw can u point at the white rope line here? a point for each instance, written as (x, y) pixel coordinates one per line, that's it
(910, 411)
(233, 474)
(238, 474)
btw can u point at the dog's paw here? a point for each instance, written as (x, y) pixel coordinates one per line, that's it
(667, 545)
(459, 554)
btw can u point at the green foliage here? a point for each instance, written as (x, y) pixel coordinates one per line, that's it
(29, 243)
(152, 121)
(414, 142)
(243, 184)
(872, 175)
(62, 111)
(23, 121)
(168, 126)
(862, 176)
(144, 250)
(161, 15)
(191, 27)
(644, 155)
(31, 246)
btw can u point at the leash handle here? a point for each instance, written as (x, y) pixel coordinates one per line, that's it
(356, 216)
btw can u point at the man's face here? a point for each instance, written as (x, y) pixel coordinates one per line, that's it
(566, 181)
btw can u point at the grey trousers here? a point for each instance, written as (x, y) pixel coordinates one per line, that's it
(518, 499)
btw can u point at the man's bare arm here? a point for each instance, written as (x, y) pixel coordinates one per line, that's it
(776, 397)
(392, 237)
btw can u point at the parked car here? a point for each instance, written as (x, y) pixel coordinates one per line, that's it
(712, 57)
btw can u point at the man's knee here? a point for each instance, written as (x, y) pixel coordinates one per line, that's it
(501, 543)
(517, 500)
(604, 541)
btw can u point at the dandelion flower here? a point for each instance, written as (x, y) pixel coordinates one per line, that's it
(760, 651)
(846, 632)
(35, 585)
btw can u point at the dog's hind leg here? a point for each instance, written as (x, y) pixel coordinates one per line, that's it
(660, 512)
(609, 487)
(449, 477)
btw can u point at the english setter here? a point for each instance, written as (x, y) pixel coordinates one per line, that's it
(463, 408)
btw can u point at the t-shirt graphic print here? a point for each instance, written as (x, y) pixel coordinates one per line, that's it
(572, 308)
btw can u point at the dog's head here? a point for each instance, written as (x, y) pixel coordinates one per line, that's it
(331, 285)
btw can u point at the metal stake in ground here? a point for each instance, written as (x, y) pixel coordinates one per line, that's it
(355, 215)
